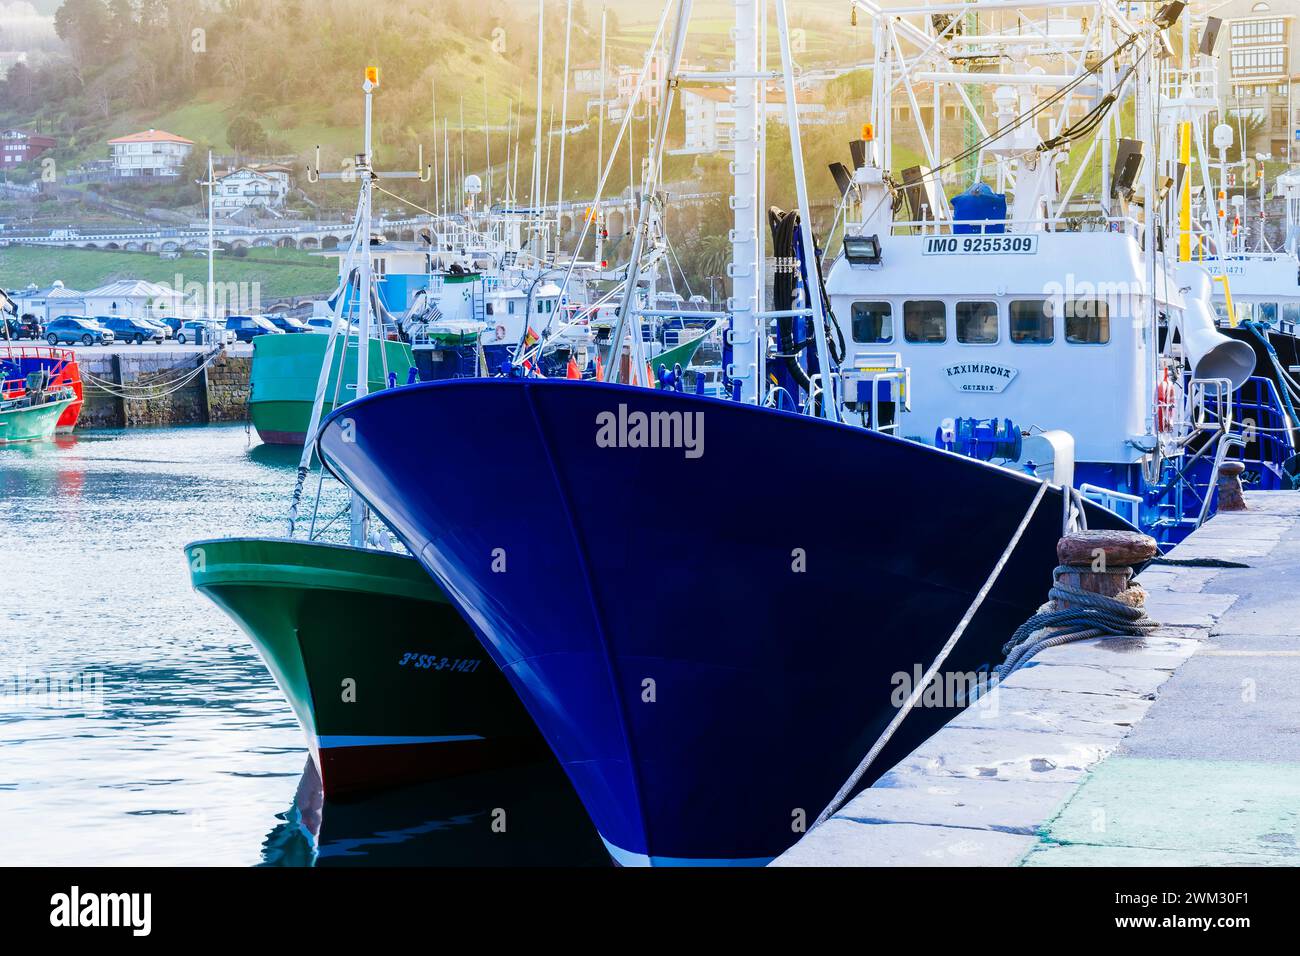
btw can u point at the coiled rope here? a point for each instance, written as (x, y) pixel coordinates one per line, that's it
(1089, 615)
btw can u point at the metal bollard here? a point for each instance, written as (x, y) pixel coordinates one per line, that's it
(1231, 495)
(1102, 561)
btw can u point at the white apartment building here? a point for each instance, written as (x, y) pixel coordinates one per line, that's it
(710, 120)
(151, 153)
(1257, 51)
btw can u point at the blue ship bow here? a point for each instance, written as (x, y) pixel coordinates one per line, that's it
(710, 631)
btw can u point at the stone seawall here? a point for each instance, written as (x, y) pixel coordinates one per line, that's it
(166, 387)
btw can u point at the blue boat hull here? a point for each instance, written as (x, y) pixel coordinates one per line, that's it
(709, 643)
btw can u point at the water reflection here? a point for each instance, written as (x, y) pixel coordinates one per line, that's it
(137, 724)
(524, 816)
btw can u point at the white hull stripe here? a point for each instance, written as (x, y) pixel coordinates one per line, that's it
(627, 858)
(327, 743)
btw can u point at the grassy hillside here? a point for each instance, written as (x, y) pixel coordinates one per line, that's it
(280, 272)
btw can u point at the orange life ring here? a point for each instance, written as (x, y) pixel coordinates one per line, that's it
(1164, 404)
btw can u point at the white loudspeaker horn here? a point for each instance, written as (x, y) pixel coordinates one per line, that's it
(1210, 353)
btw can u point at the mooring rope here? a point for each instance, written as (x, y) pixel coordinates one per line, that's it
(153, 390)
(1089, 615)
(849, 785)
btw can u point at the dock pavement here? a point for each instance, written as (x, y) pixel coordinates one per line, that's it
(1178, 749)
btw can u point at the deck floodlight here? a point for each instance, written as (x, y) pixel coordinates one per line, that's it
(1210, 36)
(843, 179)
(858, 152)
(862, 250)
(1168, 15)
(1128, 161)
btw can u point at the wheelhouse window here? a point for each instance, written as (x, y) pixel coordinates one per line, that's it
(925, 320)
(1031, 322)
(873, 322)
(1087, 322)
(1266, 312)
(1291, 312)
(977, 323)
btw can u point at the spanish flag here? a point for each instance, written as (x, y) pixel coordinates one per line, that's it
(531, 338)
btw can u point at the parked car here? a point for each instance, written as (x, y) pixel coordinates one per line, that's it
(319, 323)
(160, 325)
(133, 330)
(199, 332)
(71, 329)
(30, 327)
(287, 323)
(249, 327)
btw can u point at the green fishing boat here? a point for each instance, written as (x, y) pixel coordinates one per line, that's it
(388, 682)
(33, 416)
(679, 354)
(286, 371)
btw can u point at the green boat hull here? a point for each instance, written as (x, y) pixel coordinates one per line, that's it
(677, 355)
(31, 422)
(286, 370)
(389, 684)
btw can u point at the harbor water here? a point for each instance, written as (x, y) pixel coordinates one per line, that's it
(138, 724)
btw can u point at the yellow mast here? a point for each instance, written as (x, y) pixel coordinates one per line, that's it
(1185, 200)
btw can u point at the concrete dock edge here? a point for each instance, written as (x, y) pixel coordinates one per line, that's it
(1180, 748)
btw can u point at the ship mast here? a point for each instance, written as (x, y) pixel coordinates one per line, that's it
(363, 169)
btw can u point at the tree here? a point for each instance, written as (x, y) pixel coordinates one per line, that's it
(16, 92)
(245, 135)
(84, 26)
(122, 15)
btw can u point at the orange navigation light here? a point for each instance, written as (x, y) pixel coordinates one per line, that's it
(372, 75)
(868, 132)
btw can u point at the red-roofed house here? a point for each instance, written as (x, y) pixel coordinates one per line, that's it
(151, 153)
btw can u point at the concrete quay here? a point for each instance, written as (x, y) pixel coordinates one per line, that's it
(1178, 749)
(161, 387)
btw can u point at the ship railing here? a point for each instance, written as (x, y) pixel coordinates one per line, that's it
(16, 390)
(1198, 82)
(1211, 404)
(1226, 442)
(13, 389)
(1082, 222)
(1115, 501)
(903, 377)
(39, 351)
(1258, 406)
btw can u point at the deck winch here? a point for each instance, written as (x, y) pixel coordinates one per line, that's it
(987, 439)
